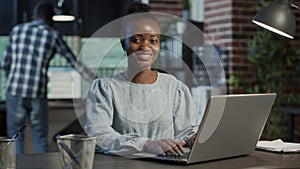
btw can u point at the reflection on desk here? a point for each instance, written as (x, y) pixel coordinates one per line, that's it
(258, 159)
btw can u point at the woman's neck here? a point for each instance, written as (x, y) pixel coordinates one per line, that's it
(146, 76)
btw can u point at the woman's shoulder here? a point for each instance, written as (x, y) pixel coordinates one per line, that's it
(171, 79)
(103, 80)
(110, 81)
(166, 76)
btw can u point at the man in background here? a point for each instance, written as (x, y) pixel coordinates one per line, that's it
(31, 47)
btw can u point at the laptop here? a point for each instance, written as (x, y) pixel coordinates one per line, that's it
(231, 126)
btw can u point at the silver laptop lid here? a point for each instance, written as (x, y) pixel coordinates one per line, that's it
(231, 126)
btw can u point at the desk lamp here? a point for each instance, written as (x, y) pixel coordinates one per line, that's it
(61, 12)
(277, 17)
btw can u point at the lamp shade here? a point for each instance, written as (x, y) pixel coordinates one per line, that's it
(277, 17)
(61, 13)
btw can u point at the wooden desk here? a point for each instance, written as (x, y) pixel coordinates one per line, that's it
(258, 159)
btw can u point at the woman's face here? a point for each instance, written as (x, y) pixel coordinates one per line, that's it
(143, 44)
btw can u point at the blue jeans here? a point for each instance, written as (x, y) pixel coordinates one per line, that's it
(36, 109)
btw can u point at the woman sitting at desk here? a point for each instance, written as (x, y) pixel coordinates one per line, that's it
(141, 110)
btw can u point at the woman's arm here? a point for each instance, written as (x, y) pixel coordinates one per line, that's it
(186, 115)
(99, 113)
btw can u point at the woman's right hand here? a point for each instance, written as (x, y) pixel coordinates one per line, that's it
(164, 147)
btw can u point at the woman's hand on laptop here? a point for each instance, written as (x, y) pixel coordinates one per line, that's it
(188, 142)
(164, 147)
(192, 139)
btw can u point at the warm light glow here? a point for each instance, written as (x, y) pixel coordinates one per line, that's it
(63, 18)
(273, 29)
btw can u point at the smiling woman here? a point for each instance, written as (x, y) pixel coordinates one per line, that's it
(142, 45)
(141, 109)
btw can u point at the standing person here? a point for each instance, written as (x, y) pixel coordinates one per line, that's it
(141, 109)
(26, 59)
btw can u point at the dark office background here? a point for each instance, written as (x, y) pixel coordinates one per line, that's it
(90, 14)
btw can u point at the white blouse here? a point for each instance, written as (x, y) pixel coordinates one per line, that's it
(124, 115)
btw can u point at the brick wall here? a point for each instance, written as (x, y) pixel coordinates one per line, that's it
(228, 23)
(173, 7)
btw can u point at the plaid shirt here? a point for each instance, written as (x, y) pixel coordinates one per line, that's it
(27, 56)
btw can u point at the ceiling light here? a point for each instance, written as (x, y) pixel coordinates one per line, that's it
(61, 12)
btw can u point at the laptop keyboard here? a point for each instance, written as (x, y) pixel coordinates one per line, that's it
(181, 158)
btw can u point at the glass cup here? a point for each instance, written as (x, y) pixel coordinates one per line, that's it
(7, 153)
(76, 151)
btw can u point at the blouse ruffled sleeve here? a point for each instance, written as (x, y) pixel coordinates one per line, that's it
(99, 112)
(186, 115)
